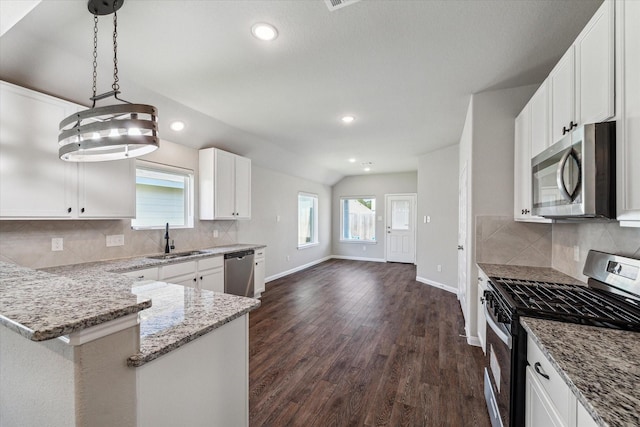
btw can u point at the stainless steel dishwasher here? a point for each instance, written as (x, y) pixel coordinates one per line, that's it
(238, 273)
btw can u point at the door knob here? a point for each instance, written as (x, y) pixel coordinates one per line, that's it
(460, 248)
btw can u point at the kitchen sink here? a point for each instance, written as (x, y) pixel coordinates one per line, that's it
(177, 255)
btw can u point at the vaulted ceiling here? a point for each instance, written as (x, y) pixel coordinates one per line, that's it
(405, 69)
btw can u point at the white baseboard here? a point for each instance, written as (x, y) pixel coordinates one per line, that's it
(357, 258)
(437, 284)
(296, 269)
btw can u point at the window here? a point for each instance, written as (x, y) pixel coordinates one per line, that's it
(358, 219)
(307, 219)
(164, 194)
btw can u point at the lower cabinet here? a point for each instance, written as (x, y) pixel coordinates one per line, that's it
(549, 400)
(206, 273)
(258, 273)
(482, 320)
(144, 274)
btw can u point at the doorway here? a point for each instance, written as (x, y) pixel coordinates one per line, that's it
(400, 243)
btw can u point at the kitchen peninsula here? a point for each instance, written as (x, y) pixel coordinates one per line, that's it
(87, 345)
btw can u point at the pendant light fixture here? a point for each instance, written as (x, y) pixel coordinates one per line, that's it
(112, 132)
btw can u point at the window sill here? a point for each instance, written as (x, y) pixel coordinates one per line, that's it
(308, 245)
(361, 242)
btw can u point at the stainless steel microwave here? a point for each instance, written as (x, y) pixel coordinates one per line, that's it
(575, 177)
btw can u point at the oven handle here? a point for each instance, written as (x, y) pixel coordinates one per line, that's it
(502, 333)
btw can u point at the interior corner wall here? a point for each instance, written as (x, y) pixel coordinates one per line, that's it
(438, 199)
(274, 220)
(368, 185)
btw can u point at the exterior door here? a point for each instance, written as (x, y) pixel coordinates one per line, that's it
(401, 227)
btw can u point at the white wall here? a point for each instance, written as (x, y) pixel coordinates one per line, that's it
(275, 194)
(368, 185)
(438, 198)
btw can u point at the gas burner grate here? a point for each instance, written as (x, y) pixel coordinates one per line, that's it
(572, 303)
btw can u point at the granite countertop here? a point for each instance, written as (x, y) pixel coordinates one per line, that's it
(542, 274)
(601, 366)
(57, 301)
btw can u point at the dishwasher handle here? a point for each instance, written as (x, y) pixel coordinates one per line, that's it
(239, 255)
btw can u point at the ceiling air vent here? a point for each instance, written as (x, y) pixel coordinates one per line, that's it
(338, 4)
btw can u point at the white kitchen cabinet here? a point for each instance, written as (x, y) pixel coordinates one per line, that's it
(628, 105)
(539, 105)
(594, 55)
(562, 91)
(35, 183)
(150, 273)
(225, 185)
(522, 200)
(584, 419)
(206, 273)
(482, 320)
(211, 274)
(539, 410)
(259, 272)
(582, 83)
(107, 189)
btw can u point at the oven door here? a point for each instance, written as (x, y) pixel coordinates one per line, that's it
(557, 178)
(497, 377)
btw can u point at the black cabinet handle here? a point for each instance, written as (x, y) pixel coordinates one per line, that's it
(195, 279)
(69, 210)
(573, 125)
(565, 130)
(537, 367)
(82, 210)
(200, 277)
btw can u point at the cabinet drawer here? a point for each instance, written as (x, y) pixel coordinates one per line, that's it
(259, 254)
(554, 386)
(144, 274)
(173, 270)
(209, 263)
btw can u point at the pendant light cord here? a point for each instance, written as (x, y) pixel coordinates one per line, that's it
(115, 86)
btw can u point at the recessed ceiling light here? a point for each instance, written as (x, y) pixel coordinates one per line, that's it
(352, 160)
(177, 125)
(367, 169)
(348, 119)
(263, 31)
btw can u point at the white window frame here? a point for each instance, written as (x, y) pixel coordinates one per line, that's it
(341, 235)
(315, 238)
(189, 191)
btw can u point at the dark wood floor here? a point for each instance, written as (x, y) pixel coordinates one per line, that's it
(361, 343)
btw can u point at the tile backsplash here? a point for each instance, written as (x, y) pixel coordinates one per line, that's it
(501, 240)
(606, 237)
(28, 243)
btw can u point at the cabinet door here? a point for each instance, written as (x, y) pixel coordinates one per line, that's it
(522, 166)
(224, 204)
(540, 120)
(107, 189)
(595, 68)
(628, 127)
(34, 182)
(258, 277)
(243, 187)
(212, 280)
(186, 281)
(539, 412)
(562, 92)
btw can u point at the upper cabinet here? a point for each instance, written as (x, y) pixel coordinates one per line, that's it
(539, 105)
(628, 105)
(225, 185)
(581, 85)
(35, 183)
(524, 131)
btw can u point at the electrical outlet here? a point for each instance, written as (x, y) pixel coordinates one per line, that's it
(277, 218)
(57, 244)
(115, 240)
(576, 253)
(439, 268)
(428, 218)
(215, 234)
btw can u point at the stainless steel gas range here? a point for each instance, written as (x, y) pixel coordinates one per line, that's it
(611, 299)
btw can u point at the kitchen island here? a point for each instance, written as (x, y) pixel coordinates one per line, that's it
(103, 349)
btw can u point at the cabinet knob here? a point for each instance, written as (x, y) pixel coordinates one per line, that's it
(69, 210)
(82, 210)
(195, 279)
(200, 278)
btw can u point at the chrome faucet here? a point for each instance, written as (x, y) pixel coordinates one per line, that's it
(167, 248)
